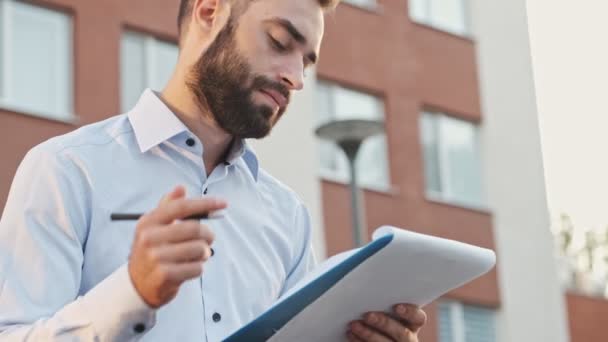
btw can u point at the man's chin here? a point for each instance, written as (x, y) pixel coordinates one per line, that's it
(261, 132)
(258, 126)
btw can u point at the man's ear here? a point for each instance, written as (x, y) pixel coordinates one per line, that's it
(206, 12)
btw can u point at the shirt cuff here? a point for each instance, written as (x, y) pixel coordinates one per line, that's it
(117, 311)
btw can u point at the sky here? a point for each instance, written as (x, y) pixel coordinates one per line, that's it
(569, 47)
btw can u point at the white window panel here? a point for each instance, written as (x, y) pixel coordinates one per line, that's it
(446, 323)
(145, 63)
(430, 145)
(363, 3)
(351, 104)
(133, 69)
(419, 10)
(479, 324)
(338, 103)
(36, 60)
(165, 58)
(448, 15)
(466, 323)
(452, 162)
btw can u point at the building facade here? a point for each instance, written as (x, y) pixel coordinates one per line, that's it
(450, 79)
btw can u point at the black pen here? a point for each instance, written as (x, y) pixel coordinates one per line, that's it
(135, 217)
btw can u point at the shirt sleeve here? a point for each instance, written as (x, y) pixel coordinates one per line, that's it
(304, 258)
(42, 233)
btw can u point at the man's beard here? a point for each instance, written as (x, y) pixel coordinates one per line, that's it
(223, 85)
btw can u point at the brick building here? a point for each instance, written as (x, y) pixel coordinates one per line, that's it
(448, 77)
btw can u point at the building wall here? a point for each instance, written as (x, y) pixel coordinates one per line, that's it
(97, 28)
(586, 318)
(532, 301)
(391, 57)
(410, 66)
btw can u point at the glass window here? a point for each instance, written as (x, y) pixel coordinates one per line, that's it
(362, 3)
(466, 323)
(338, 103)
(165, 59)
(133, 69)
(452, 162)
(145, 63)
(478, 324)
(36, 60)
(430, 145)
(448, 15)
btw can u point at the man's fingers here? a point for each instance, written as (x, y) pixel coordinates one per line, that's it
(184, 252)
(412, 315)
(366, 333)
(178, 192)
(352, 337)
(178, 232)
(181, 208)
(388, 326)
(180, 272)
(187, 271)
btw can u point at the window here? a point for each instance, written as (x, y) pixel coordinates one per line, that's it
(371, 4)
(465, 323)
(35, 60)
(337, 103)
(448, 15)
(145, 63)
(451, 159)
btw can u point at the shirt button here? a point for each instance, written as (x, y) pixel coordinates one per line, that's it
(212, 252)
(205, 192)
(217, 317)
(190, 142)
(139, 328)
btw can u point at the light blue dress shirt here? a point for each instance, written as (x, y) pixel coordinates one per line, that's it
(63, 274)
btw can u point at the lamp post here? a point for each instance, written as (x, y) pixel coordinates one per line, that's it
(349, 135)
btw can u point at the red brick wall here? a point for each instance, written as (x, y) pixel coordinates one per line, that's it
(97, 32)
(411, 66)
(587, 318)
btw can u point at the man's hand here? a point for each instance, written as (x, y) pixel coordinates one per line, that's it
(166, 252)
(381, 327)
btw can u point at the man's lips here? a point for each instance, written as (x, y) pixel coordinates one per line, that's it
(278, 98)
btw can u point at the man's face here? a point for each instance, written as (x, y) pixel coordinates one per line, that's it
(246, 76)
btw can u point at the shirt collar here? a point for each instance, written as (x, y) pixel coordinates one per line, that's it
(240, 150)
(154, 123)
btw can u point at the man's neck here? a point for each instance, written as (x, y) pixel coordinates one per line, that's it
(215, 140)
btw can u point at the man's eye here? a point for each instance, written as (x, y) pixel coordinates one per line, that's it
(277, 45)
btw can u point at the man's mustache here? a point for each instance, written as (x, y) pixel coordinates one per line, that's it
(261, 82)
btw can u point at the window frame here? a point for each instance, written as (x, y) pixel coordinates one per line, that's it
(431, 23)
(326, 174)
(373, 7)
(445, 195)
(456, 311)
(6, 101)
(150, 43)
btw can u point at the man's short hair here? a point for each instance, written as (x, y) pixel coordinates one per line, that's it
(185, 9)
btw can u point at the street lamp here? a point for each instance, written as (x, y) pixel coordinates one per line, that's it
(349, 135)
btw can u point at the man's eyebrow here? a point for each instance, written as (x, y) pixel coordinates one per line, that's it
(293, 31)
(287, 25)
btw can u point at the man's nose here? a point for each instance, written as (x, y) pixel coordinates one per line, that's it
(292, 76)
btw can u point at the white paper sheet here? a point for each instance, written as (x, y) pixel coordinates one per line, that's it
(413, 268)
